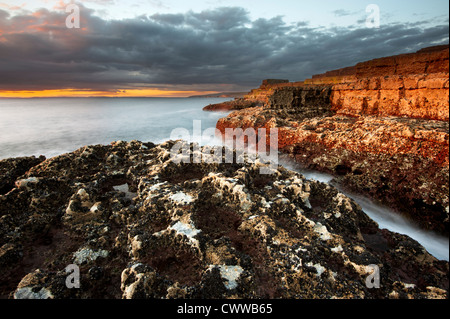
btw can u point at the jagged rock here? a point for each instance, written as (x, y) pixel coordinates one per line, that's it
(236, 104)
(402, 162)
(206, 230)
(309, 101)
(380, 127)
(12, 168)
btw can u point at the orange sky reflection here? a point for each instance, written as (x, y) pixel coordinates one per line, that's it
(88, 93)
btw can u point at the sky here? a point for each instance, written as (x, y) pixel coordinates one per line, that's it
(183, 48)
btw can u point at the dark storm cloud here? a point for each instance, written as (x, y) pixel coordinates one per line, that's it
(344, 13)
(194, 49)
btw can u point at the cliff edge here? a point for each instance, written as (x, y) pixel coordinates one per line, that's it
(380, 127)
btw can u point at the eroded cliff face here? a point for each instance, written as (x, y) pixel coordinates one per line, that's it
(139, 225)
(414, 85)
(381, 127)
(418, 96)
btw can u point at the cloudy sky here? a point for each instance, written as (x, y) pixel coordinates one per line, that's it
(181, 48)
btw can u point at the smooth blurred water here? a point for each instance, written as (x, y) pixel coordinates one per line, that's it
(435, 244)
(53, 126)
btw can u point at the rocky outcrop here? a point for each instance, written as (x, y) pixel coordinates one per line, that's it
(265, 91)
(12, 168)
(381, 127)
(138, 225)
(414, 85)
(302, 102)
(416, 96)
(236, 104)
(401, 162)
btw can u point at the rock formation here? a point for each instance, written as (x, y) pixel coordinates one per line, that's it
(236, 104)
(11, 169)
(381, 127)
(138, 225)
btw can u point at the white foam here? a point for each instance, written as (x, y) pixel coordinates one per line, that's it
(319, 268)
(187, 230)
(435, 244)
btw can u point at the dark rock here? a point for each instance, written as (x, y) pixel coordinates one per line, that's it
(11, 169)
(236, 104)
(224, 231)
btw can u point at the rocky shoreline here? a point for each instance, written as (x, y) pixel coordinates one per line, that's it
(133, 223)
(138, 225)
(380, 127)
(236, 104)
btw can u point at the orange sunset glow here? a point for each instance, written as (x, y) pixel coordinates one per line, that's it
(80, 93)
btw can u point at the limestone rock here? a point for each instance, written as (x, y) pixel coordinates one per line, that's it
(380, 127)
(203, 230)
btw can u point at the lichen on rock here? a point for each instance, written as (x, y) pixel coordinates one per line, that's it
(203, 230)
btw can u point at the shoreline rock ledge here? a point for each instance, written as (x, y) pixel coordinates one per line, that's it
(138, 225)
(380, 127)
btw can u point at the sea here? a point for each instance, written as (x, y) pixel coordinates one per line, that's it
(54, 126)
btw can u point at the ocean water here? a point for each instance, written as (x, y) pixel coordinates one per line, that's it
(59, 125)
(53, 126)
(386, 218)
(437, 245)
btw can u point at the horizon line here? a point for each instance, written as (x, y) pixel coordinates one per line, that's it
(74, 93)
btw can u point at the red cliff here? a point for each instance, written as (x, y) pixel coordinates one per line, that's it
(413, 85)
(380, 126)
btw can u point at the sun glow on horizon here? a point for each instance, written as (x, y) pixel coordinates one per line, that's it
(87, 93)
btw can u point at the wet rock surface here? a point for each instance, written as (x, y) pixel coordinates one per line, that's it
(139, 225)
(12, 168)
(380, 127)
(401, 162)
